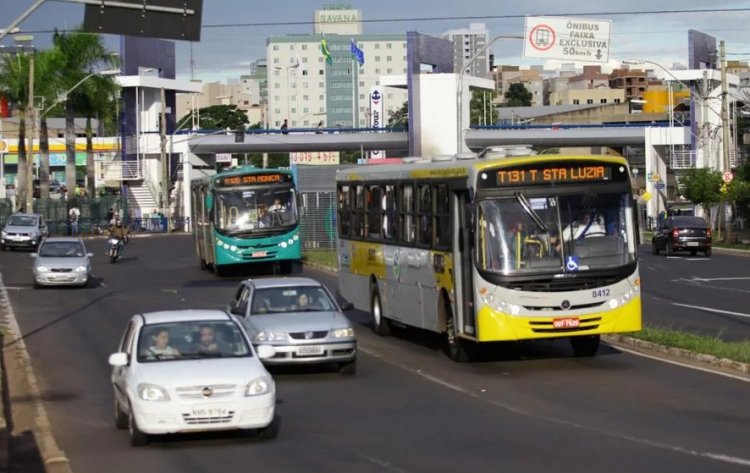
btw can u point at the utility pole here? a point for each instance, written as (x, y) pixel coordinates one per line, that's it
(31, 118)
(725, 132)
(164, 160)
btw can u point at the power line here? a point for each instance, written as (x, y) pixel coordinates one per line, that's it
(485, 17)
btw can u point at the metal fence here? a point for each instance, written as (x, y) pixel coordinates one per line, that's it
(318, 222)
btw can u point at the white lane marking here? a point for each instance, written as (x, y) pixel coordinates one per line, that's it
(683, 365)
(639, 440)
(699, 282)
(709, 309)
(102, 284)
(743, 278)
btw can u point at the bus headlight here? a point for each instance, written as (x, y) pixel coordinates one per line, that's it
(613, 303)
(283, 244)
(514, 309)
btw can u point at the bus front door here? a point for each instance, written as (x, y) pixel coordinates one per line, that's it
(462, 264)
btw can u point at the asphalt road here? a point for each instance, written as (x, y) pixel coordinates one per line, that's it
(702, 295)
(408, 409)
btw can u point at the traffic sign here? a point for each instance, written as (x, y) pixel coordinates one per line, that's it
(660, 185)
(567, 39)
(646, 196)
(655, 177)
(727, 176)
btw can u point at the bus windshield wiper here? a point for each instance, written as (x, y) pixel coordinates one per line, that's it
(532, 213)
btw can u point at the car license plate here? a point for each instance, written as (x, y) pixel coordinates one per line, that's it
(209, 411)
(259, 254)
(692, 243)
(310, 351)
(566, 323)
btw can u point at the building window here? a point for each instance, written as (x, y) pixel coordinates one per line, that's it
(589, 101)
(377, 45)
(390, 96)
(305, 97)
(361, 96)
(389, 71)
(305, 110)
(305, 85)
(388, 46)
(291, 47)
(389, 58)
(275, 47)
(304, 72)
(377, 58)
(277, 111)
(576, 102)
(603, 101)
(321, 97)
(617, 100)
(277, 86)
(276, 98)
(320, 59)
(304, 47)
(321, 84)
(294, 110)
(377, 70)
(321, 72)
(275, 60)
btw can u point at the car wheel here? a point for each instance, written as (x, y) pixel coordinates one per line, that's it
(707, 253)
(271, 431)
(121, 418)
(137, 438)
(380, 324)
(348, 367)
(585, 346)
(668, 248)
(37, 285)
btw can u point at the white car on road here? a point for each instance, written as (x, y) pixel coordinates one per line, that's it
(188, 371)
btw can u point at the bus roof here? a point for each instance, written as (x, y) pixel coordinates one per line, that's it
(458, 168)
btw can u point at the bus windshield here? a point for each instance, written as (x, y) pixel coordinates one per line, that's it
(558, 233)
(255, 209)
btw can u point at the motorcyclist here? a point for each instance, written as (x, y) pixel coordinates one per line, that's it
(119, 231)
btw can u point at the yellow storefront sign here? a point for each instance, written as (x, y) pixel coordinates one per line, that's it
(646, 196)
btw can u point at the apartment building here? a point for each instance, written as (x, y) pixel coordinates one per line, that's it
(467, 43)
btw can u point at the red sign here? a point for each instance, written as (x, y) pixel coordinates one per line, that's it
(4, 112)
(542, 37)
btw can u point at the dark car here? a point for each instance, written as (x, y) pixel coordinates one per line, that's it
(682, 233)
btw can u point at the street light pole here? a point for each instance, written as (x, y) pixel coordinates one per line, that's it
(460, 98)
(31, 118)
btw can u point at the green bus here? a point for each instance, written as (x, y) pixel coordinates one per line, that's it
(246, 215)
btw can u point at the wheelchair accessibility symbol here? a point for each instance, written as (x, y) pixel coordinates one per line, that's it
(572, 264)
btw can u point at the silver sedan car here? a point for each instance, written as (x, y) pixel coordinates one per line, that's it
(299, 318)
(61, 261)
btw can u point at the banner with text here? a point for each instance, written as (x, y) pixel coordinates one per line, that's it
(315, 158)
(376, 116)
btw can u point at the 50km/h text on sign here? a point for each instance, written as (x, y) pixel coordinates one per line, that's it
(567, 39)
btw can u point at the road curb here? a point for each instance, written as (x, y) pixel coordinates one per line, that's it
(682, 353)
(53, 457)
(734, 251)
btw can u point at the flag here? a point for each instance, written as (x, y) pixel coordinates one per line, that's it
(325, 51)
(357, 53)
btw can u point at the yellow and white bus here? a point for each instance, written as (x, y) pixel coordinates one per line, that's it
(492, 249)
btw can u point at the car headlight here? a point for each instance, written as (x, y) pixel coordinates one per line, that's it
(42, 269)
(342, 333)
(270, 336)
(81, 269)
(259, 386)
(4, 234)
(152, 392)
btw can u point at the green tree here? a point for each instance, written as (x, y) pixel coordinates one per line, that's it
(14, 83)
(81, 54)
(220, 117)
(481, 108)
(517, 95)
(46, 85)
(702, 186)
(400, 117)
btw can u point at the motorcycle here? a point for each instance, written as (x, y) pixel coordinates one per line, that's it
(115, 248)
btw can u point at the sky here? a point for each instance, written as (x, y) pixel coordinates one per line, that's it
(226, 51)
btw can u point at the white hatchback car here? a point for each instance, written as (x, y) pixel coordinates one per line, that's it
(188, 371)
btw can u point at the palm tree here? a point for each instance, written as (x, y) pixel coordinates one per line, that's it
(14, 82)
(98, 100)
(82, 53)
(47, 85)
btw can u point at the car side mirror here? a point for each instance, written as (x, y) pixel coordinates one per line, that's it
(90, 255)
(118, 359)
(265, 351)
(345, 306)
(33, 255)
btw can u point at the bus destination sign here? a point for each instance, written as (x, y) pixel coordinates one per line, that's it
(557, 173)
(252, 180)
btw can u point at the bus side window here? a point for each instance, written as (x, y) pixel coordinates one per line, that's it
(424, 210)
(408, 225)
(374, 215)
(389, 212)
(359, 213)
(344, 217)
(442, 221)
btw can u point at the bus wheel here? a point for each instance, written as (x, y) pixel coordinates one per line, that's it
(218, 270)
(586, 345)
(458, 350)
(379, 322)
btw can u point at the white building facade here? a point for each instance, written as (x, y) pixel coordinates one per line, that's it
(466, 43)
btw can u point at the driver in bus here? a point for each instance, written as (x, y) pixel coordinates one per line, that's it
(277, 207)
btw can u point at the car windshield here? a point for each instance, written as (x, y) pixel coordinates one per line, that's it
(22, 221)
(255, 209)
(564, 233)
(291, 299)
(191, 340)
(62, 249)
